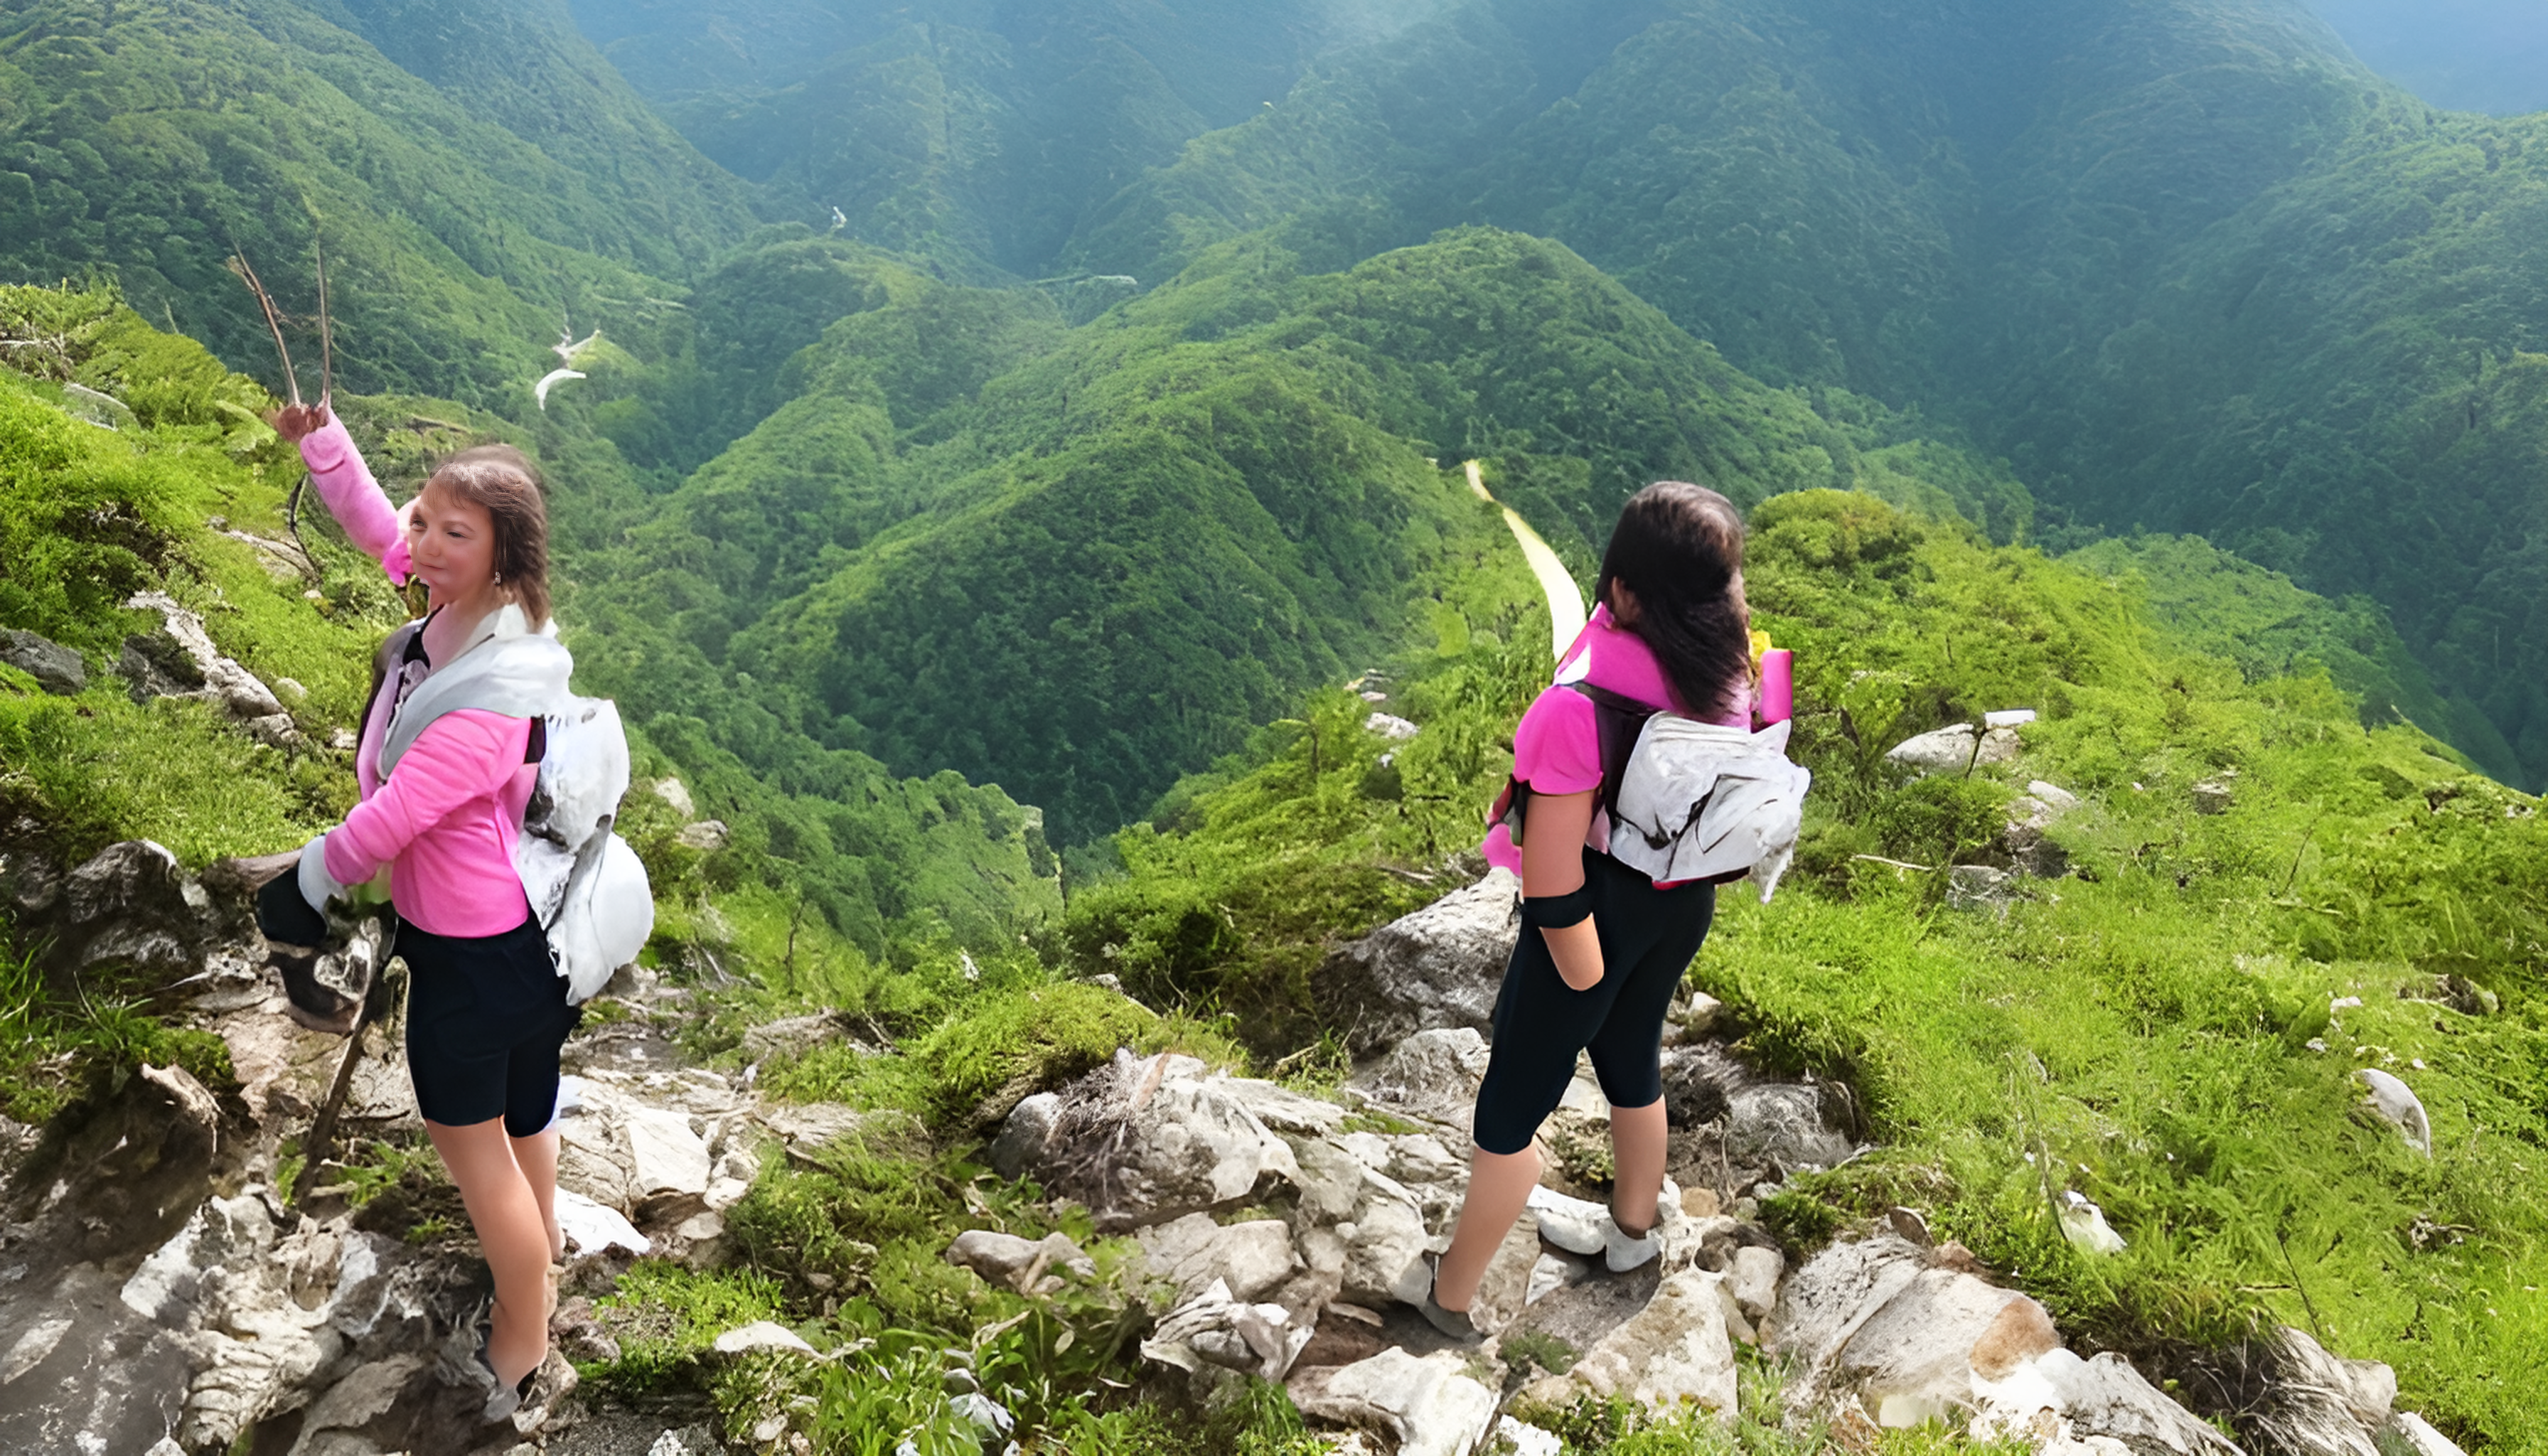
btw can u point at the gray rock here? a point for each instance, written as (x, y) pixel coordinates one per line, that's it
(1250, 1259)
(1438, 967)
(1980, 887)
(2104, 1397)
(794, 1037)
(1784, 1126)
(56, 668)
(1752, 1277)
(708, 835)
(1215, 1327)
(180, 661)
(2398, 1107)
(1143, 1140)
(81, 1371)
(1951, 749)
(2319, 1405)
(1674, 1352)
(2030, 816)
(1432, 1074)
(1024, 1134)
(2213, 796)
(1005, 1260)
(131, 903)
(1430, 1406)
(2410, 1434)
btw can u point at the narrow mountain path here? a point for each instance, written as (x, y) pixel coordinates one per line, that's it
(1566, 612)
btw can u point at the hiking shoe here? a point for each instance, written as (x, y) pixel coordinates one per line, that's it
(1622, 1252)
(1455, 1324)
(501, 1400)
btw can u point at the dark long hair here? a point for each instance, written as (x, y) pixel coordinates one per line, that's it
(1677, 548)
(500, 481)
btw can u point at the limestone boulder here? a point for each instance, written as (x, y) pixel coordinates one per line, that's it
(1784, 1128)
(1674, 1352)
(1438, 967)
(2319, 1404)
(1432, 1407)
(131, 903)
(1215, 1327)
(1955, 749)
(1432, 1075)
(1250, 1259)
(1019, 1263)
(56, 669)
(1144, 1139)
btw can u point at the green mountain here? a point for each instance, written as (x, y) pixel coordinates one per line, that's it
(2188, 265)
(1080, 563)
(977, 135)
(144, 146)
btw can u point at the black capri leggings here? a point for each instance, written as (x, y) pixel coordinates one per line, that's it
(486, 1019)
(1648, 937)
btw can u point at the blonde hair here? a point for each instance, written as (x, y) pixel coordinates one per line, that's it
(502, 481)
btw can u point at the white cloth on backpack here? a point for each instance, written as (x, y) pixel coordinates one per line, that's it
(1700, 800)
(586, 887)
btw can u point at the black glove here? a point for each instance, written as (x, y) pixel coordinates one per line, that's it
(284, 917)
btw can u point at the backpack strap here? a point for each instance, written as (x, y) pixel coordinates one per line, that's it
(1617, 721)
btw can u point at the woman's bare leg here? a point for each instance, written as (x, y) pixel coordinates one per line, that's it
(1638, 1136)
(1500, 1184)
(511, 1233)
(538, 1157)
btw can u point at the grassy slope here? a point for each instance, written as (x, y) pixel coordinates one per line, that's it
(2144, 1023)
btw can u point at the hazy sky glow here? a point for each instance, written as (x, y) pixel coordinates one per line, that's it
(2487, 56)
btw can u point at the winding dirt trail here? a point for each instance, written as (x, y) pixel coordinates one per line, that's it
(1566, 614)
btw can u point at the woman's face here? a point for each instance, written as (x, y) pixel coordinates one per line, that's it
(452, 543)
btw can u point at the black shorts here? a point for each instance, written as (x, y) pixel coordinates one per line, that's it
(1648, 937)
(485, 1018)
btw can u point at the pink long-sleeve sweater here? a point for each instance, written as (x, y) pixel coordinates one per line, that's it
(446, 818)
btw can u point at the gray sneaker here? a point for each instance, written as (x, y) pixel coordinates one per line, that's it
(1455, 1324)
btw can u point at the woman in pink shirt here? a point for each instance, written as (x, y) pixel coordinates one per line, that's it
(441, 808)
(1602, 948)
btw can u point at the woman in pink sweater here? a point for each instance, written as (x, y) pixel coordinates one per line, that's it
(441, 808)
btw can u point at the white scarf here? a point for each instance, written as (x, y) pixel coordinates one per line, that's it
(507, 668)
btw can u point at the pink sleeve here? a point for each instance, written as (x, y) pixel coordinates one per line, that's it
(1557, 746)
(460, 756)
(357, 502)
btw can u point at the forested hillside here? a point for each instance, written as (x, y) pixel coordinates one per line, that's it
(979, 136)
(2189, 265)
(152, 142)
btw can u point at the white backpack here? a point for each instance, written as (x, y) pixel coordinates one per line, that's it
(585, 885)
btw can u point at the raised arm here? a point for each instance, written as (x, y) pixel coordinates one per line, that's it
(345, 483)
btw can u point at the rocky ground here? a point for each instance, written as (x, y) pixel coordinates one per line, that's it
(159, 1295)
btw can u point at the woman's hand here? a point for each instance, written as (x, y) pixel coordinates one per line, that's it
(295, 422)
(1552, 864)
